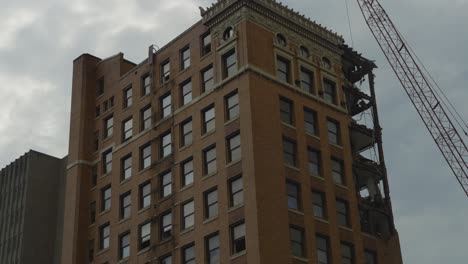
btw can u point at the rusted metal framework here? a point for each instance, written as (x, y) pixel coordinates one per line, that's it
(426, 100)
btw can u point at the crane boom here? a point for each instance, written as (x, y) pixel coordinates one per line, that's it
(420, 90)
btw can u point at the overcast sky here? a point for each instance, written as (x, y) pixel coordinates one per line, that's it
(40, 38)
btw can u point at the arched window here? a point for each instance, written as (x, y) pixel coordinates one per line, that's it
(305, 52)
(326, 62)
(281, 39)
(228, 33)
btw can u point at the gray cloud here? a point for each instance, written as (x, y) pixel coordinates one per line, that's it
(40, 39)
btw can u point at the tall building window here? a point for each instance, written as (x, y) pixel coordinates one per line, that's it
(104, 236)
(287, 111)
(144, 237)
(91, 251)
(211, 203)
(127, 129)
(94, 175)
(98, 111)
(281, 39)
(334, 132)
(187, 172)
(314, 162)
(186, 135)
(318, 205)
(188, 214)
(145, 195)
(305, 52)
(96, 140)
(126, 167)
(283, 70)
(289, 152)
(92, 212)
(166, 226)
(124, 246)
(105, 198)
(232, 106)
(185, 58)
(337, 171)
(145, 118)
(229, 63)
(108, 126)
(166, 145)
(347, 253)
(342, 213)
(165, 259)
(146, 84)
(234, 148)
(228, 33)
(293, 191)
(107, 161)
(236, 190)
(322, 249)
(188, 254)
(145, 156)
(206, 43)
(125, 205)
(208, 119)
(166, 184)
(207, 78)
(296, 237)
(165, 71)
(307, 80)
(186, 92)
(370, 257)
(310, 119)
(329, 91)
(128, 97)
(238, 238)
(212, 249)
(100, 86)
(166, 105)
(209, 160)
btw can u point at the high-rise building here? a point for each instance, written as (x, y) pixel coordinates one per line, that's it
(31, 209)
(234, 143)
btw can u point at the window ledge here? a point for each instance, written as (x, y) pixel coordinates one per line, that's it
(296, 211)
(206, 55)
(162, 199)
(313, 136)
(187, 230)
(237, 255)
(92, 225)
(102, 251)
(288, 125)
(341, 186)
(231, 120)
(143, 97)
(164, 241)
(325, 221)
(335, 145)
(144, 209)
(126, 180)
(125, 260)
(211, 219)
(318, 177)
(145, 169)
(123, 220)
(184, 147)
(93, 188)
(104, 212)
(207, 134)
(186, 187)
(235, 207)
(347, 228)
(209, 175)
(105, 175)
(144, 250)
(302, 259)
(292, 167)
(232, 163)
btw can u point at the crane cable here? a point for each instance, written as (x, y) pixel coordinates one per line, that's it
(444, 99)
(349, 23)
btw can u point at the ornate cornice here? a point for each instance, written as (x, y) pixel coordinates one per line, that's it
(274, 10)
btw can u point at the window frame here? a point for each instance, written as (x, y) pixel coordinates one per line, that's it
(186, 136)
(165, 147)
(206, 163)
(165, 228)
(209, 248)
(165, 184)
(238, 192)
(165, 74)
(319, 205)
(334, 134)
(107, 161)
(206, 46)
(308, 87)
(143, 195)
(330, 96)
(347, 259)
(144, 241)
(185, 61)
(232, 148)
(104, 236)
(187, 215)
(185, 173)
(288, 156)
(207, 83)
(241, 239)
(208, 205)
(325, 250)
(342, 213)
(145, 87)
(300, 242)
(145, 156)
(106, 201)
(294, 197)
(287, 115)
(310, 113)
(125, 205)
(144, 120)
(127, 133)
(229, 69)
(166, 109)
(126, 167)
(127, 98)
(183, 94)
(210, 124)
(232, 111)
(108, 126)
(184, 250)
(282, 61)
(311, 164)
(122, 246)
(338, 176)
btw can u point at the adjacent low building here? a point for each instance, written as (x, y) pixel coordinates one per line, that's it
(31, 209)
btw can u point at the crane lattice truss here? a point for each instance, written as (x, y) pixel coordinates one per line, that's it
(419, 89)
